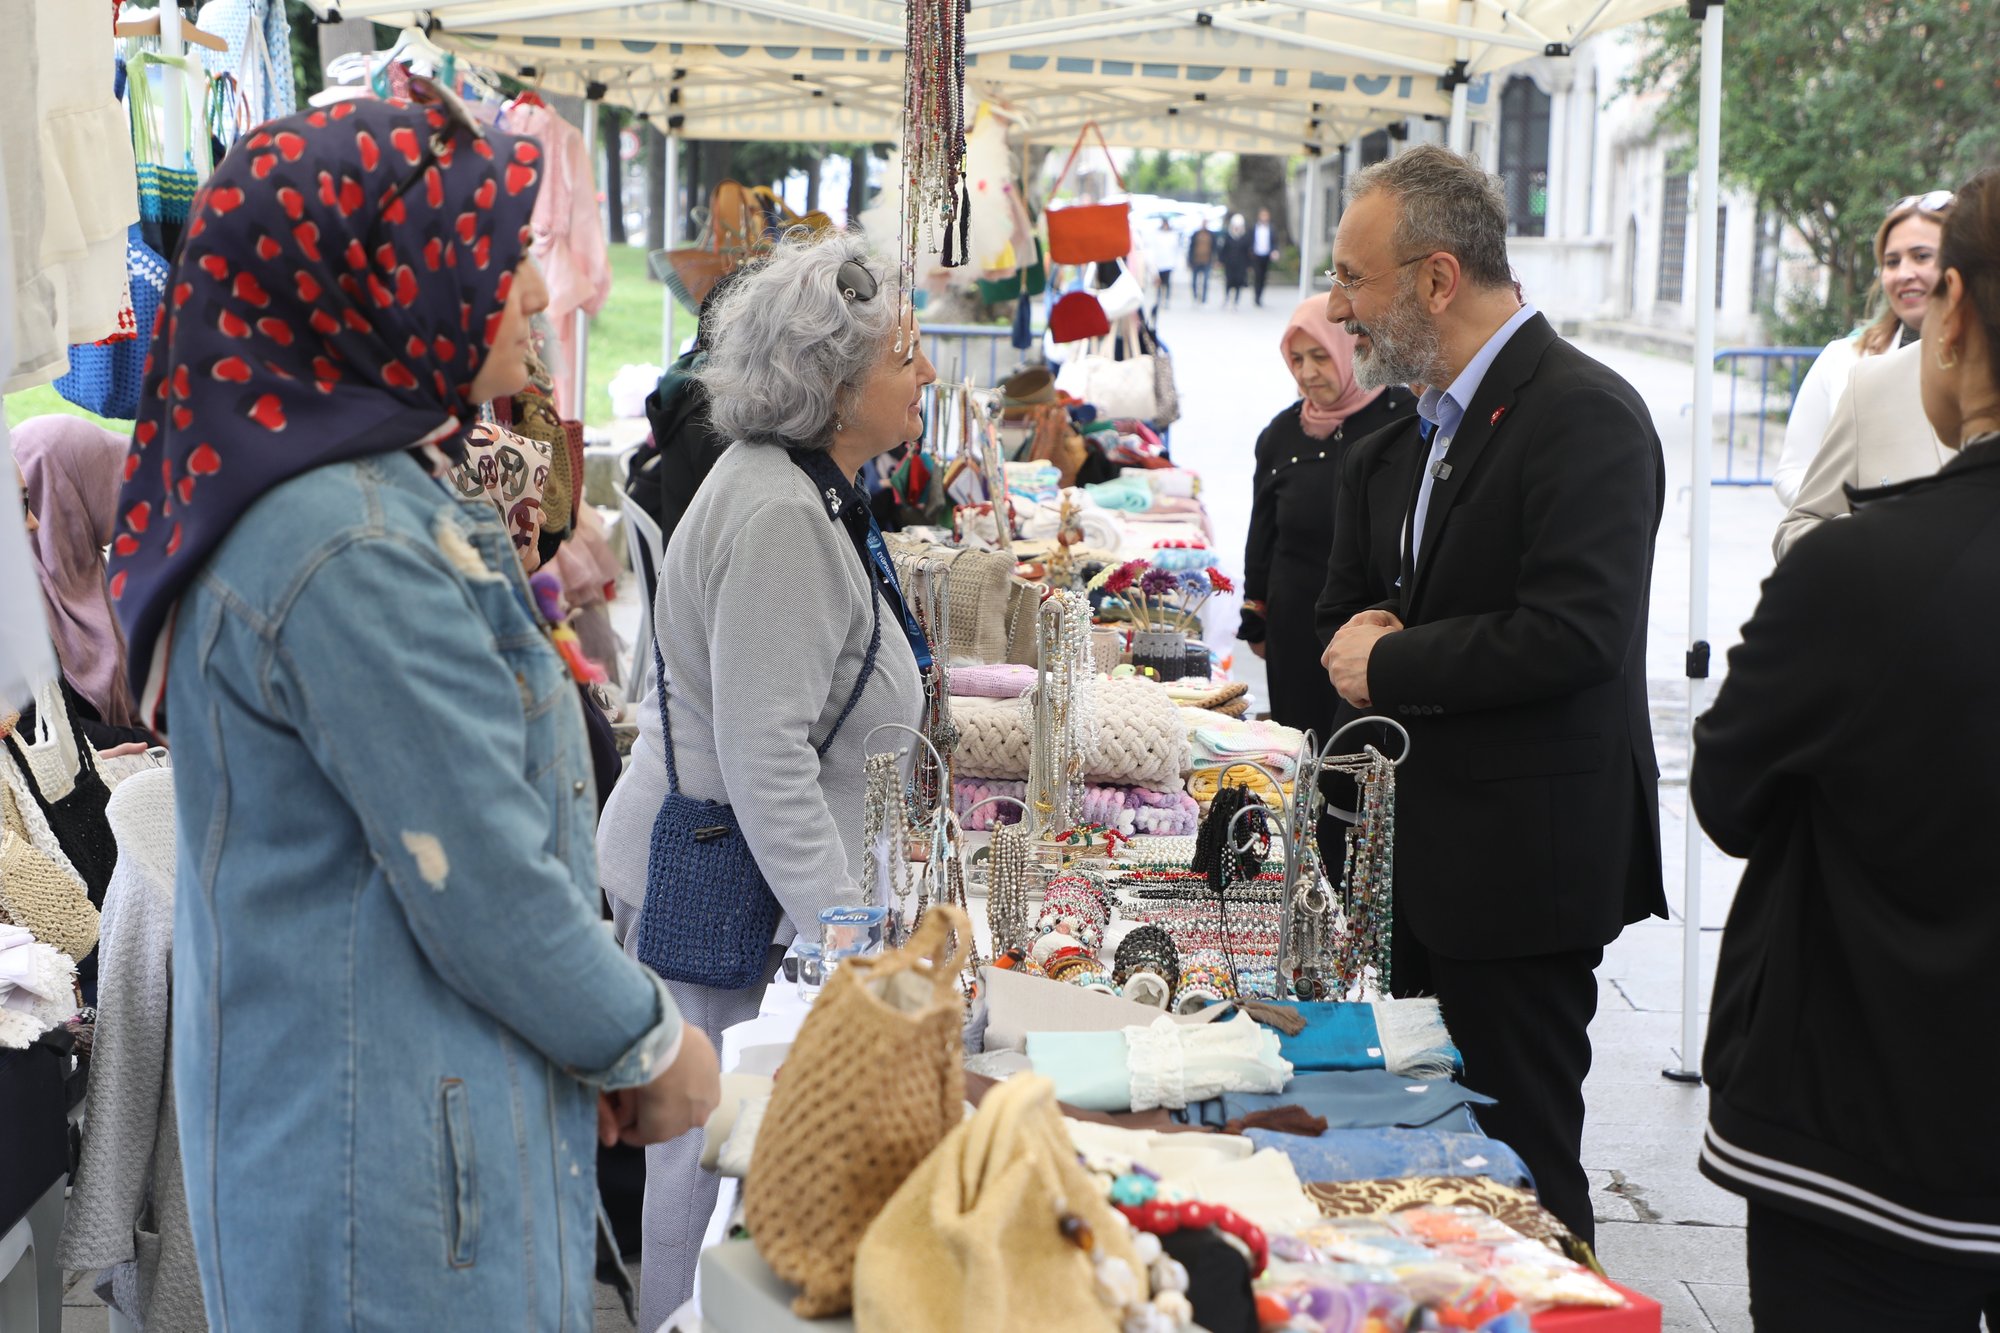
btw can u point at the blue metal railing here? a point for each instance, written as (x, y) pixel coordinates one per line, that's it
(1790, 365)
(984, 351)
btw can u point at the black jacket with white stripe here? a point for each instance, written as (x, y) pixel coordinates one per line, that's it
(1853, 755)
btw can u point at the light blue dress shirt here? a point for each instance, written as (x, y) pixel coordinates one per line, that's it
(1445, 409)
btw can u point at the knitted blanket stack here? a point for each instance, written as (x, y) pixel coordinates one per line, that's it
(1141, 740)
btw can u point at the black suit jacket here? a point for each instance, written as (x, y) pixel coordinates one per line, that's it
(1528, 814)
(1366, 556)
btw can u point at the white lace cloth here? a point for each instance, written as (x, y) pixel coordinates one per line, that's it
(1172, 1064)
(37, 985)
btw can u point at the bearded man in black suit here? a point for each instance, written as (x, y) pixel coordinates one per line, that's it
(1513, 648)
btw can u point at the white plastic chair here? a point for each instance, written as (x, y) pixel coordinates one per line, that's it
(646, 546)
(31, 1279)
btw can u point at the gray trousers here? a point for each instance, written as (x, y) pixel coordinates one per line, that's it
(680, 1196)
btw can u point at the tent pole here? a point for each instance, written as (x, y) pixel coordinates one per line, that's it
(580, 330)
(671, 203)
(1708, 184)
(173, 87)
(1458, 136)
(1309, 226)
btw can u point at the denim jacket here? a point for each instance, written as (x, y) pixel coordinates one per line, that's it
(395, 1001)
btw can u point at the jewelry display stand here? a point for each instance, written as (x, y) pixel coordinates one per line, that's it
(1063, 719)
(1322, 954)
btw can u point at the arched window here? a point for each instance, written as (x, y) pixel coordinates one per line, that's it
(1524, 156)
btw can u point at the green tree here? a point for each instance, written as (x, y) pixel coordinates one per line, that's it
(1833, 110)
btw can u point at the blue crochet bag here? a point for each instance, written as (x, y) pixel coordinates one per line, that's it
(710, 917)
(106, 377)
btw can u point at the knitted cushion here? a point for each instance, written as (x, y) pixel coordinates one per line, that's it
(873, 1084)
(1140, 739)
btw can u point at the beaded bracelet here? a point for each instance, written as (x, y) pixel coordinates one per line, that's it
(1149, 948)
(1200, 987)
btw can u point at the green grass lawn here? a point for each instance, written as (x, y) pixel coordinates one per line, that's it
(625, 332)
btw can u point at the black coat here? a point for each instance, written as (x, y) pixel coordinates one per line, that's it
(1528, 814)
(1285, 559)
(1365, 557)
(663, 478)
(1235, 257)
(1853, 755)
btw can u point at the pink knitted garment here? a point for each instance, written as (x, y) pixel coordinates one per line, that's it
(1003, 681)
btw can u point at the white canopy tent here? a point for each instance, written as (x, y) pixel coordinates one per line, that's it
(1218, 75)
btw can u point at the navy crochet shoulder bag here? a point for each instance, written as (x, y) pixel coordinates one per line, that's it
(710, 916)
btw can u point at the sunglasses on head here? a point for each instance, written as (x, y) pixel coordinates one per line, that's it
(1933, 201)
(856, 282)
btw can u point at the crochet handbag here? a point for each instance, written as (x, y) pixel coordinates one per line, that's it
(40, 894)
(973, 1242)
(709, 916)
(874, 1082)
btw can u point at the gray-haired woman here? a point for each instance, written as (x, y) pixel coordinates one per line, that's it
(777, 597)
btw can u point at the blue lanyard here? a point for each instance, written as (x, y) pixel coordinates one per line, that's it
(885, 574)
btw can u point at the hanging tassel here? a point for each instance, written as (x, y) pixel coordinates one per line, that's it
(964, 219)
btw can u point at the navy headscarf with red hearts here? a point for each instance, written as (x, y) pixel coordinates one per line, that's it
(340, 279)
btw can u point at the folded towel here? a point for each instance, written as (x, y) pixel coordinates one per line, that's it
(1218, 740)
(1127, 493)
(1407, 1037)
(1203, 783)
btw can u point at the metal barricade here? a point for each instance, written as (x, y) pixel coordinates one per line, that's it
(1763, 383)
(984, 351)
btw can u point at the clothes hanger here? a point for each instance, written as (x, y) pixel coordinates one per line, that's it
(412, 47)
(149, 26)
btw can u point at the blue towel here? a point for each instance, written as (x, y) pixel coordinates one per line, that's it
(1349, 1036)
(1378, 1154)
(1355, 1099)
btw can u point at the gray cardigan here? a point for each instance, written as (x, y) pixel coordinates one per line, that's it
(763, 616)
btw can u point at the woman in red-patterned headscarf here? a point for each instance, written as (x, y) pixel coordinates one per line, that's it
(397, 1014)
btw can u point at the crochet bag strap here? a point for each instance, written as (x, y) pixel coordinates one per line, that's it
(853, 698)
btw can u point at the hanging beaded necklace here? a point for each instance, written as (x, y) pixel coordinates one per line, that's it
(935, 212)
(1367, 878)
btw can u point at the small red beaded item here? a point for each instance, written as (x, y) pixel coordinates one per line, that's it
(1164, 1219)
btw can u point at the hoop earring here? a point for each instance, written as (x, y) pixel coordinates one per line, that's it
(1943, 364)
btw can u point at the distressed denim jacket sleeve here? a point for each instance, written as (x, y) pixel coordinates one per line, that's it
(399, 680)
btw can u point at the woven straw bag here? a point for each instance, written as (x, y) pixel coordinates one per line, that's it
(873, 1084)
(972, 1244)
(39, 894)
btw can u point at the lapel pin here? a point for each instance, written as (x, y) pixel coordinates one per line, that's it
(1498, 412)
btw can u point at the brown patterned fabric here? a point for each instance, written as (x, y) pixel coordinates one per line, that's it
(1518, 1208)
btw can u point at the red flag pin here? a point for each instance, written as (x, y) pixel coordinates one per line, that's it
(1498, 412)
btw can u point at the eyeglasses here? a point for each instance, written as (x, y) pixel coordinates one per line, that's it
(1935, 201)
(1349, 286)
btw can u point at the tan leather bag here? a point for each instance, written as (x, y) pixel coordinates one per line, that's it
(874, 1082)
